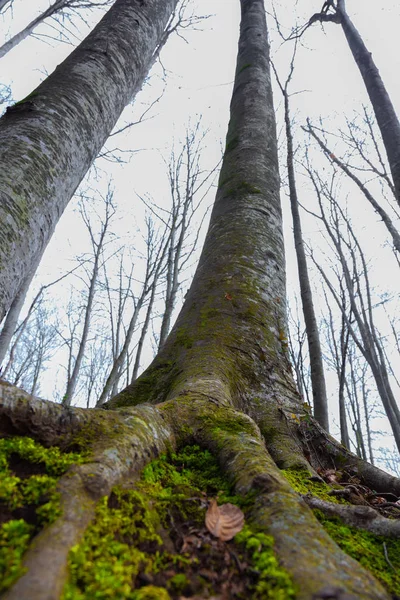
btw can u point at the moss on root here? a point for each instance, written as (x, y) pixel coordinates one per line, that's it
(377, 554)
(149, 541)
(301, 482)
(380, 555)
(28, 498)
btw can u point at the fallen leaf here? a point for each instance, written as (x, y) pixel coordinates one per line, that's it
(224, 521)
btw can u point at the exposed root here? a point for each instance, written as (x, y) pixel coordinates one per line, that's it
(122, 442)
(131, 441)
(307, 552)
(325, 451)
(47, 422)
(362, 517)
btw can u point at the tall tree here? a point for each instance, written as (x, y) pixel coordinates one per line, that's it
(385, 113)
(70, 114)
(222, 379)
(320, 400)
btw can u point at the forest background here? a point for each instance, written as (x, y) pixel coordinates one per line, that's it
(188, 90)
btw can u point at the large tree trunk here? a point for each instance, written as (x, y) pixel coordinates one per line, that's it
(223, 358)
(51, 137)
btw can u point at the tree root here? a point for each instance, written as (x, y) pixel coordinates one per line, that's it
(133, 438)
(324, 451)
(362, 517)
(123, 441)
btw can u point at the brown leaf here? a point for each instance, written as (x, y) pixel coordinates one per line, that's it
(224, 521)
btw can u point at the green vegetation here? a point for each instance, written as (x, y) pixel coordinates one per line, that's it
(152, 537)
(300, 481)
(28, 497)
(368, 549)
(274, 582)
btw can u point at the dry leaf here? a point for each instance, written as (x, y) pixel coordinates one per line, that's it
(224, 521)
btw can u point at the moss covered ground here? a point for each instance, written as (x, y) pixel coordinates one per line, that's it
(380, 555)
(148, 541)
(28, 498)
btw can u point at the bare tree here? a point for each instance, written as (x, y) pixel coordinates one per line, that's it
(320, 400)
(377, 205)
(9, 326)
(98, 249)
(338, 346)
(383, 108)
(156, 249)
(354, 268)
(58, 8)
(189, 184)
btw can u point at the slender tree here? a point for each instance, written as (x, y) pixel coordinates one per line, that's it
(222, 379)
(57, 8)
(320, 400)
(70, 114)
(98, 248)
(386, 117)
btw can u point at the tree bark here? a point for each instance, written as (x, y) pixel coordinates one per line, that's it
(11, 320)
(52, 136)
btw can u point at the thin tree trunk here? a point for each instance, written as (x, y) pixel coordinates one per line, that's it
(24, 33)
(69, 115)
(320, 400)
(383, 108)
(73, 379)
(11, 320)
(143, 334)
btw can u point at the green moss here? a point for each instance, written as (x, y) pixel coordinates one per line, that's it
(368, 549)
(244, 67)
(178, 583)
(27, 492)
(54, 461)
(300, 481)
(183, 338)
(151, 592)
(243, 187)
(15, 536)
(127, 539)
(273, 581)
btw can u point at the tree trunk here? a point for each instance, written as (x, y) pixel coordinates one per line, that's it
(53, 135)
(224, 356)
(3, 3)
(383, 108)
(11, 320)
(320, 400)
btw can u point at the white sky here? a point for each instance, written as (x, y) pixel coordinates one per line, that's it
(200, 76)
